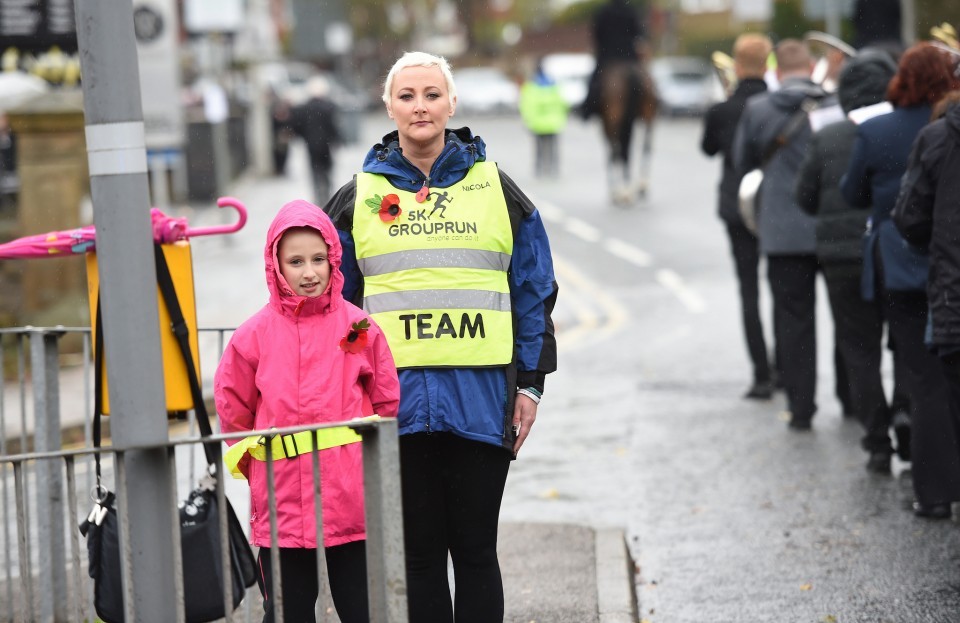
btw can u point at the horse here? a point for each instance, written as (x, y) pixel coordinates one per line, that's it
(627, 95)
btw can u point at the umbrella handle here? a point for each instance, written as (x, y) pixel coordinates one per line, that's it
(223, 202)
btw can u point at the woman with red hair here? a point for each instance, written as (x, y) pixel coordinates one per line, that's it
(896, 272)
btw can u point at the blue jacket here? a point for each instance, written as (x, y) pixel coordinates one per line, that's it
(878, 161)
(475, 403)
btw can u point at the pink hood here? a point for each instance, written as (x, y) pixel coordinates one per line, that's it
(299, 213)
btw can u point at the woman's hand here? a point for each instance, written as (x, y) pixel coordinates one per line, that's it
(524, 415)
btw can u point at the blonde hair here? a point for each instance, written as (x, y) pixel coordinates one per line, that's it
(420, 59)
(750, 52)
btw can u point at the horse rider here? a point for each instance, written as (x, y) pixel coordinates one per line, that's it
(618, 35)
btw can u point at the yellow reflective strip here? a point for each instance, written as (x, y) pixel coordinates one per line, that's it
(327, 438)
(236, 452)
(418, 300)
(433, 258)
(437, 278)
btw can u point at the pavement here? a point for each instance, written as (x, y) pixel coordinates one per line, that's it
(552, 572)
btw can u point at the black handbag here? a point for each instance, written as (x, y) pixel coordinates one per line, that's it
(203, 572)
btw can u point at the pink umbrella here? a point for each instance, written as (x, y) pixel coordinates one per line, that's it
(83, 239)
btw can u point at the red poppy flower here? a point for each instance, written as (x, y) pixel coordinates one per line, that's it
(390, 208)
(356, 339)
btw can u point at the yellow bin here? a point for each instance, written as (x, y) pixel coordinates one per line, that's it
(175, 380)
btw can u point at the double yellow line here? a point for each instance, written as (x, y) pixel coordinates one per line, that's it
(597, 315)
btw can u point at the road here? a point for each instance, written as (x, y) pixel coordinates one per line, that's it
(730, 516)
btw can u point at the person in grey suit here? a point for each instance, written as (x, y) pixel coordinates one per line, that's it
(773, 133)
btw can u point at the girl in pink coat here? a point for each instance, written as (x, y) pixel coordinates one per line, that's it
(307, 357)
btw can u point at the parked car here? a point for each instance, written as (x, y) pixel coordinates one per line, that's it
(485, 90)
(686, 85)
(289, 82)
(571, 71)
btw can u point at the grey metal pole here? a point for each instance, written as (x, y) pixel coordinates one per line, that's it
(832, 8)
(908, 22)
(51, 543)
(128, 296)
(386, 570)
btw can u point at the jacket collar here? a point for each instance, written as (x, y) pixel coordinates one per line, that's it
(460, 152)
(793, 92)
(750, 86)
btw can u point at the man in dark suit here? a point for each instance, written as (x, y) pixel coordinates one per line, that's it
(750, 53)
(316, 121)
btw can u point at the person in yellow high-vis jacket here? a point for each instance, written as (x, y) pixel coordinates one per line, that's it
(452, 261)
(307, 357)
(544, 112)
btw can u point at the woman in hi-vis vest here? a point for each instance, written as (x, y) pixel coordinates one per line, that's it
(452, 261)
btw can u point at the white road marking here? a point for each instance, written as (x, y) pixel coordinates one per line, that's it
(674, 282)
(583, 230)
(587, 296)
(630, 253)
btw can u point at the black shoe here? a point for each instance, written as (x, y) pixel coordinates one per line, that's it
(932, 511)
(760, 390)
(799, 424)
(901, 429)
(879, 463)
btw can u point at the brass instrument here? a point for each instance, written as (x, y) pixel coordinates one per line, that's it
(830, 52)
(946, 34)
(723, 64)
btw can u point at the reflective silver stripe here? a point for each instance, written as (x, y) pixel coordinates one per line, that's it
(116, 148)
(433, 258)
(437, 299)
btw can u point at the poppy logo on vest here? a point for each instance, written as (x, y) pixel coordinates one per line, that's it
(387, 207)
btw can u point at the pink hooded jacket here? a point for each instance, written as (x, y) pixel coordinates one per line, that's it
(284, 367)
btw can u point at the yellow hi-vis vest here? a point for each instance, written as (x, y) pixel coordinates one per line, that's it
(435, 277)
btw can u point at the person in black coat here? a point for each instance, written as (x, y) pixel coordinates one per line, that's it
(896, 272)
(750, 53)
(618, 32)
(928, 216)
(858, 324)
(316, 122)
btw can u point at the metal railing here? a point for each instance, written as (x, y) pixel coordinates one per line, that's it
(44, 574)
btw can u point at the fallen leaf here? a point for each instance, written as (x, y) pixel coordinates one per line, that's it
(806, 587)
(550, 494)
(829, 619)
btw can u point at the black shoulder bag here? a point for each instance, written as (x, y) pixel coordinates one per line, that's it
(203, 574)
